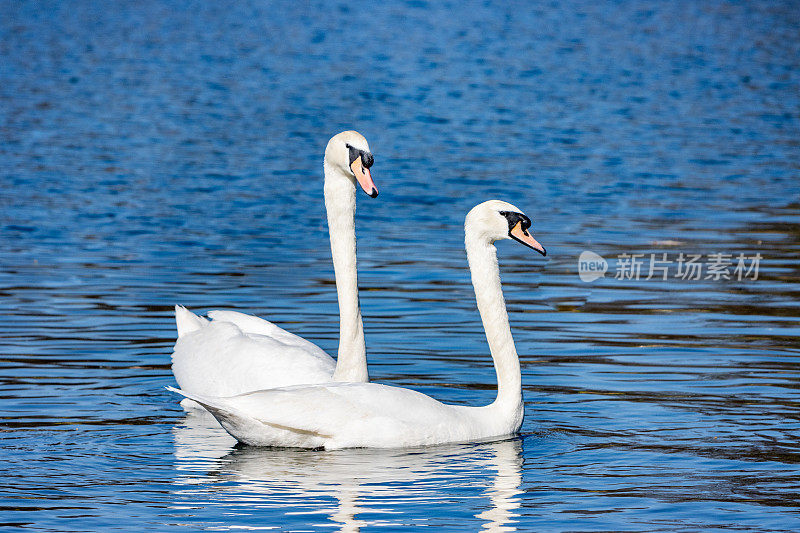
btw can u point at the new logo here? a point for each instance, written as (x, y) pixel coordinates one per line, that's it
(591, 266)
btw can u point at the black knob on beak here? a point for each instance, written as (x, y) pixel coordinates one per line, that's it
(366, 159)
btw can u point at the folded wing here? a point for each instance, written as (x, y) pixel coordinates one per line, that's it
(235, 353)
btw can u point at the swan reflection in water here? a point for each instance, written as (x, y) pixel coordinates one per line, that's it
(365, 483)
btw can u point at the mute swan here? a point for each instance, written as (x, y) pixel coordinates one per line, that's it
(235, 353)
(347, 415)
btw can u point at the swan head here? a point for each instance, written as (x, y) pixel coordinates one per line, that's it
(348, 152)
(496, 220)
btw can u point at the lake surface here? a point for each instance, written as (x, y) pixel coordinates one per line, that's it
(154, 153)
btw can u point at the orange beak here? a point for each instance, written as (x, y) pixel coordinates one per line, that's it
(364, 177)
(521, 235)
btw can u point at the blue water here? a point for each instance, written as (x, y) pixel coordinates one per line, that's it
(155, 152)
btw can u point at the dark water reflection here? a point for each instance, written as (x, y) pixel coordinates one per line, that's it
(155, 152)
(353, 488)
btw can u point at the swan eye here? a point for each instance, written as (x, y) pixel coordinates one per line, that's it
(515, 218)
(355, 153)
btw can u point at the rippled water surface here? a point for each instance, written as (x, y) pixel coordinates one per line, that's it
(154, 153)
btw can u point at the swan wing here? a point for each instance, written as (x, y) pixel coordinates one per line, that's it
(221, 358)
(339, 415)
(246, 426)
(258, 326)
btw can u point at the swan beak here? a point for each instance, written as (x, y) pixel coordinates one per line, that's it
(521, 235)
(364, 177)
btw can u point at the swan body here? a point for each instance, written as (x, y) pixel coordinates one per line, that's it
(346, 415)
(234, 353)
(353, 415)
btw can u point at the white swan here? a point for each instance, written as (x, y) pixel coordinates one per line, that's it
(345, 415)
(235, 353)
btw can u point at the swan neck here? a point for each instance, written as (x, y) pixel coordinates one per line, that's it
(340, 203)
(482, 257)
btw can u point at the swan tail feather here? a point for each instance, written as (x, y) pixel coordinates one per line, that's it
(192, 407)
(239, 424)
(215, 406)
(187, 321)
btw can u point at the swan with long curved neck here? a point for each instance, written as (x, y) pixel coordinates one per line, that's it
(346, 415)
(235, 353)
